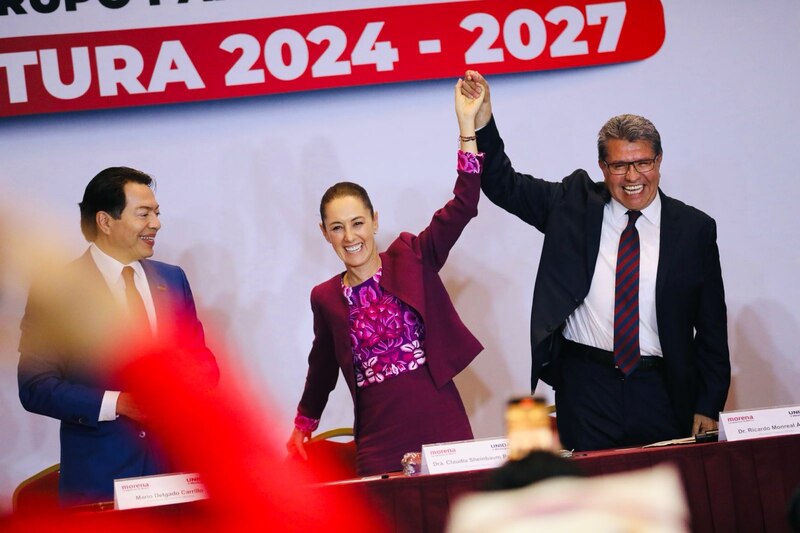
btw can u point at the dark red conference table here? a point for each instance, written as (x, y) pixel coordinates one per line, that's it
(731, 486)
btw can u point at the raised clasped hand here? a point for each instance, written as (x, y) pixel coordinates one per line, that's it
(475, 87)
(467, 108)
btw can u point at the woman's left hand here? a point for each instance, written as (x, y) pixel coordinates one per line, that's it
(467, 108)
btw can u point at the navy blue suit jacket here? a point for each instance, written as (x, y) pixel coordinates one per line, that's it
(690, 300)
(59, 378)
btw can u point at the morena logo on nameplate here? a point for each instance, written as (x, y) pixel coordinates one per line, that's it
(129, 487)
(463, 456)
(757, 423)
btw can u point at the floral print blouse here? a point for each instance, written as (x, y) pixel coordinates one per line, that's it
(387, 335)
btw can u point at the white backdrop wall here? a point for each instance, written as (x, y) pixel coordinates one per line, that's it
(239, 184)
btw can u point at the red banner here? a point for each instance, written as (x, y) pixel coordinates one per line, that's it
(98, 70)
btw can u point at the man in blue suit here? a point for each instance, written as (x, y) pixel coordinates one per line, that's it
(69, 366)
(637, 358)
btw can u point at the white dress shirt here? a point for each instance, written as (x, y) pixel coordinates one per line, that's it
(592, 323)
(111, 270)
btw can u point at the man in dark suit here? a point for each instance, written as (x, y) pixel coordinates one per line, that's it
(78, 323)
(636, 348)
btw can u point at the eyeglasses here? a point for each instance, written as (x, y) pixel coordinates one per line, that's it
(621, 167)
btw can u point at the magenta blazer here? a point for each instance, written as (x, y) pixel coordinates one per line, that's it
(411, 267)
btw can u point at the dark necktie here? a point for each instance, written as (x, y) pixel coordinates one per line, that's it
(136, 308)
(626, 298)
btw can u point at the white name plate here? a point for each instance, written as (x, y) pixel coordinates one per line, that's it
(150, 491)
(464, 455)
(756, 423)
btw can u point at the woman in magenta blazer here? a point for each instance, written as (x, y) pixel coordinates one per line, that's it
(388, 324)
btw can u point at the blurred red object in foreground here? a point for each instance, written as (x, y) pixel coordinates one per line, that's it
(222, 434)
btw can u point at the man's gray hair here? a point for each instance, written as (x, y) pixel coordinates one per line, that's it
(631, 128)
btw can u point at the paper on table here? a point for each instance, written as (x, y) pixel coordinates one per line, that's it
(685, 440)
(711, 435)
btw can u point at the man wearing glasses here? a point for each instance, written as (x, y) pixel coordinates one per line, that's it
(629, 323)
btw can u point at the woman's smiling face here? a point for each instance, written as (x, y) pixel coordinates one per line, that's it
(350, 228)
